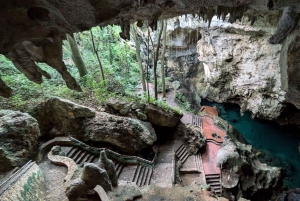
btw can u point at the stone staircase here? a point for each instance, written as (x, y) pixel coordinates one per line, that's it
(182, 153)
(142, 175)
(214, 180)
(197, 121)
(80, 156)
(198, 161)
(119, 167)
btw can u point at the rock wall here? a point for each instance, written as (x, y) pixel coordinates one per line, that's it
(243, 175)
(60, 117)
(19, 133)
(233, 63)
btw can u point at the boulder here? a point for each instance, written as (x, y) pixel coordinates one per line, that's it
(142, 111)
(191, 135)
(60, 117)
(94, 175)
(76, 189)
(129, 135)
(160, 117)
(19, 133)
(109, 166)
(70, 119)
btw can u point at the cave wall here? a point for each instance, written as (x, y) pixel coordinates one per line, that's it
(233, 62)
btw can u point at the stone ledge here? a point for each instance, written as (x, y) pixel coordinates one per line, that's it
(44, 148)
(65, 161)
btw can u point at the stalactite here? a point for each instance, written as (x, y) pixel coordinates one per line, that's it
(210, 14)
(253, 19)
(139, 23)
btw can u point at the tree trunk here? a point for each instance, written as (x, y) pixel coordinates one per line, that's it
(162, 69)
(155, 58)
(96, 52)
(138, 56)
(76, 56)
(109, 33)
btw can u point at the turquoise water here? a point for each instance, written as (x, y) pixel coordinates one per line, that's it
(278, 144)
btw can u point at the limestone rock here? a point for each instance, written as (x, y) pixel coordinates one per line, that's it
(61, 115)
(19, 133)
(232, 63)
(290, 195)
(243, 175)
(45, 24)
(129, 135)
(76, 189)
(158, 116)
(94, 175)
(191, 135)
(235, 72)
(145, 112)
(126, 191)
(176, 84)
(70, 119)
(109, 166)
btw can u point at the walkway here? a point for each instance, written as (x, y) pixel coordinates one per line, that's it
(214, 138)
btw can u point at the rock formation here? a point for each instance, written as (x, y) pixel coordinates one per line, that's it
(193, 138)
(103, 173)
(19, 133)
(59, 117)
(41, 25)
(243, 175)
(145, 112)
(109, 166)
(236, 63)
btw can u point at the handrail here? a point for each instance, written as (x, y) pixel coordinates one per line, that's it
(114, 155)
(4, 185)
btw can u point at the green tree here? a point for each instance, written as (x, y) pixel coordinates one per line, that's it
(138, 56)
(97, 55)
(76, 56)
(163, 59)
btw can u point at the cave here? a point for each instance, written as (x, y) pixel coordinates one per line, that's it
(149, 100)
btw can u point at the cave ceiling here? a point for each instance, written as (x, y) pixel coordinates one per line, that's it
(32, 30)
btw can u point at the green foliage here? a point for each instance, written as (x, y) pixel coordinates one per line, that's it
(184, 104)
(120, 65)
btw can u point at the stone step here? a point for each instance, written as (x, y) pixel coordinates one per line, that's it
(214, 183)
(141, 176)
(198, 161)
(148, 179)
(213, 179)
(184, 157)
(77, 155)
(146, 173)
(182, 153)
(80, 157)
(118, 166)
(72, 151)
(196, 120)
(85, 159)
(136, 173)
(180, 150)
(212, 176)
